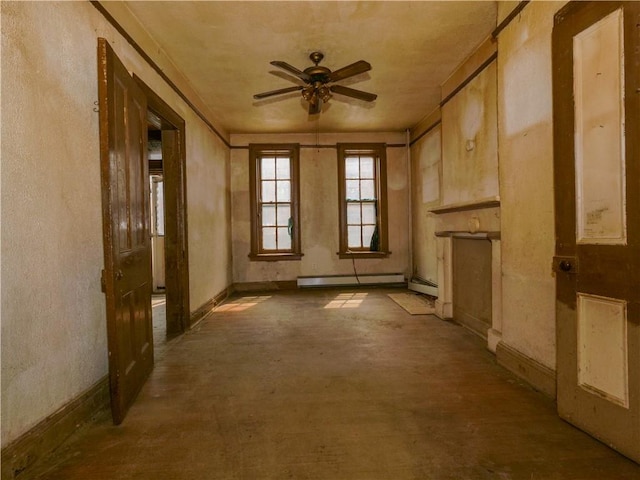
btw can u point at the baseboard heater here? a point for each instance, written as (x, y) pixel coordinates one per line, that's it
(350, 280)
(423, 286)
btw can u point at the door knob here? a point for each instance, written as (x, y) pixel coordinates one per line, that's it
(565, 265)
(119, 275)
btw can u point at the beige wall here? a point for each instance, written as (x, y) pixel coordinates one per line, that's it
(319, 210)
(469, 141)
(507, 112)
(53, 323)
(426, 163)
(526, 182)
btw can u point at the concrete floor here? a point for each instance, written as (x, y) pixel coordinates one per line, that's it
(329, 384)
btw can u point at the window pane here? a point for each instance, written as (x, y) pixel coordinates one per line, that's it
(354, 236)
(284, 240)
(367, 233)
(159, 208)
(269, 215)
(353, 214)
(268, 168)
(284, 190)
(353, 190)
(269, 238)
(351, 167)
(284, 212)
(268, 191)
(368, 213)
(368, 190)
(282, 168)
(366, 167)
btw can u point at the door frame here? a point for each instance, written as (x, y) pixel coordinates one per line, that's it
(175, 210)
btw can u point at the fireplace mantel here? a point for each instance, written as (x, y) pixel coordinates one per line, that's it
(489, 202)
(473, 219)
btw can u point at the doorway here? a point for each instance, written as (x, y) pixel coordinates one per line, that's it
(156, 202)
(127, 107)
(167, 177)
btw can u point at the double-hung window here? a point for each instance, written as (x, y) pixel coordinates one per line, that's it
(363, 209)
(275, 229)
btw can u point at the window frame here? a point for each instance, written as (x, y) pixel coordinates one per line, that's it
(256, 153)
(379, 153)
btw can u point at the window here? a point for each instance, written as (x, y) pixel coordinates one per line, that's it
(363, 209)
(275, 228)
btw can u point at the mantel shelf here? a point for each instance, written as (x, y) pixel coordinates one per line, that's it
(489, 202)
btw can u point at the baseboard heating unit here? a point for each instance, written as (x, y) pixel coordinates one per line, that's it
(351, 280)
(423, 286)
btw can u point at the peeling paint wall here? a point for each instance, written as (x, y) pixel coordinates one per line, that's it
(54, 342)
(469, 141)
(319, 210)
(426, 159)
(526, 181)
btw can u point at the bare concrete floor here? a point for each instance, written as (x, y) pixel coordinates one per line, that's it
(329, 384)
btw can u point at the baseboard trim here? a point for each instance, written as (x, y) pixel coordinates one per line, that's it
(539, 376)
(207, 307)
(19, 456)
(265, 286)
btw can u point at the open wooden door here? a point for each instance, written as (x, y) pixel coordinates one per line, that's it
(127, 250)
(596, 86)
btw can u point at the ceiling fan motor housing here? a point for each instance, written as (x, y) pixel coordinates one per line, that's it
(317, 78)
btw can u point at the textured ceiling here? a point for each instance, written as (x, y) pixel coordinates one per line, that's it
(224, 49)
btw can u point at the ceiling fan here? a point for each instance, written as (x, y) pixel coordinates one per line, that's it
(317, 79)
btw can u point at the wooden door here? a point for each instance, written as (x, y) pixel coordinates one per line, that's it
(126, 219)
(596, 83)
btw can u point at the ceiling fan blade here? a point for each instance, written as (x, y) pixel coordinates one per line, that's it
(259, 96)
(291, 69)
(351, 92)
(315, 105)
(349, 71)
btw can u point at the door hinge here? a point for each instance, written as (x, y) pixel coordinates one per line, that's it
(103, 282)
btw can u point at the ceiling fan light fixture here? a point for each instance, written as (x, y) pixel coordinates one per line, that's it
(320, 82)
(324, 93)
(308, 93)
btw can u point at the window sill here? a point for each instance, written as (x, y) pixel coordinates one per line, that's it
(274, 257)
(363, 254)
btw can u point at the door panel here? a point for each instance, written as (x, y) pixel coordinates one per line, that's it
(125, 197)
(596, 60)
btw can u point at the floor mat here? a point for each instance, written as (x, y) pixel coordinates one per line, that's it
(413, 303)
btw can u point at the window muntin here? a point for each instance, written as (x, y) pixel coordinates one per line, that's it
(274, 205)
(274, 202)
(361, 199)
(362, 176)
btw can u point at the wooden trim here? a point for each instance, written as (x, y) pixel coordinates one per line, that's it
(174, 170)
(265, 286)
(490, 202)
(509, 18)
(23, 453)
(328, 147)
(120, 29)
(463, 71)
(207, 307)
(469, 79)
(427, 130)
(362, 255)
(255, 151)
(275, 257)
(487, 235)
(539, 376)
(379, 151)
